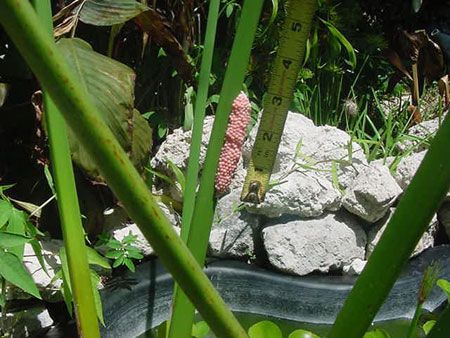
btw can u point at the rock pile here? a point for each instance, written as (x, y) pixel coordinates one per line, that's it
(325, 211)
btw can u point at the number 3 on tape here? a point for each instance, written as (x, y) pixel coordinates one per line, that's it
(290, 56)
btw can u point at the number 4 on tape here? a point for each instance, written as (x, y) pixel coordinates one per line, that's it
(290, 56)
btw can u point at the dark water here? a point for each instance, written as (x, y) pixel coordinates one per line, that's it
(396, 328)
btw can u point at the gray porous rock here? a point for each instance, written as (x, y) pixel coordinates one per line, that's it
(371, 194)
(120, 230)
(319, 149)
(407, 168)
(233, 229)
(354, 268)
(374, 235)
(302, 193)
(176, 148)
(421, 134)
(301, 246)
(30, 322)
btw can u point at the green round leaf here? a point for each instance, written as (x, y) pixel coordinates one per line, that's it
(377, 333)
(265, 329)
(303, 334)
(428, 326)
(200, 329)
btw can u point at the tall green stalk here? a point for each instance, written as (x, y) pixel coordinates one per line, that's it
(182, 310)
(237, 66)
(203, 212)
(68, 207)
(410, 220)
(41, 54)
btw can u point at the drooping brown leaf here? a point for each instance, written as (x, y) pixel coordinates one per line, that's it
(159, 31)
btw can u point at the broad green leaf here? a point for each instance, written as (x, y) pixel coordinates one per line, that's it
(110, 86)
(95, 258)
(17, 225)
(95, 280)
(178, 174)
(12, 269)
(38, 252)
(113, 254)
(416, 4)
(110, 12)
(377, 333)
(343, 40)
(265, 329)
(49, 177)
(302, 334)
(445, 286)
(10, 240)
(129, 263)
(428, 326)
(67, 292)
(29, 207)
(200, 329)
(188, 108)
(5, 212)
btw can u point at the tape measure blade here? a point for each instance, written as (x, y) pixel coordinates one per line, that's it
(288, 60)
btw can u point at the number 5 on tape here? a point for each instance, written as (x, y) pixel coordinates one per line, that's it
(290, 56)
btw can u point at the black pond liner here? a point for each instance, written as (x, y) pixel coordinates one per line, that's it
(137, 302)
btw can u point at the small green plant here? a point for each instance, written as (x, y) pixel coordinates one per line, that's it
(122, 252)
(94, 259)
(15, 231)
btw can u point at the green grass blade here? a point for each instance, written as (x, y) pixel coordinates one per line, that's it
(411, 218)
(45, 60)
(69, 211)
(182, 309)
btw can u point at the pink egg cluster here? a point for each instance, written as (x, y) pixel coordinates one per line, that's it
(234, 139)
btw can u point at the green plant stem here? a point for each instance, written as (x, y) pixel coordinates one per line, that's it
(414, 325)
(204, 205)
(3, 312)
(69, 211)
(442, 326)
(41, 54)
(182, 310)
(410, 220)
(203, 213)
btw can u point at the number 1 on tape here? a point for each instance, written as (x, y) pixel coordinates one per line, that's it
(288, 60)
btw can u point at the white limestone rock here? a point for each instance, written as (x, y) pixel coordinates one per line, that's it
(176, 148)
(407, 168)
(374, 235)
(233, 228)
(302, 193)
(421, 134)
(28, 323)
(354, 268)
(371, 194)
(301, 246)
(308, 146)
(140, 242)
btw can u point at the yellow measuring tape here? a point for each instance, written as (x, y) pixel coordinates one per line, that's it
(288, 60)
